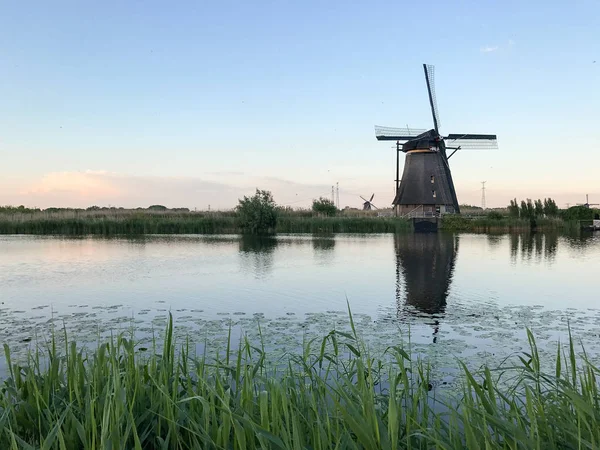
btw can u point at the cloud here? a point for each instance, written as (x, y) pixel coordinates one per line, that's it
(221, 191)
(489, 49)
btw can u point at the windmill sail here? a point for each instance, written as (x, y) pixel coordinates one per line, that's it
(472, 141)
(397, 134)
(430, 78)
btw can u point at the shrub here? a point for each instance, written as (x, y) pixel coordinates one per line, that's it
(494, 215)
(324, 206)
(579, 212)
(257, 214)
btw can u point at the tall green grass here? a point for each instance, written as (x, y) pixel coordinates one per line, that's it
(330, 395)
(136, 223)
(117, 224)
(505, 224)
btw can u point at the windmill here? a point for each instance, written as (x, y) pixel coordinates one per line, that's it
(587, 203)
(367, 205)
(427, 187)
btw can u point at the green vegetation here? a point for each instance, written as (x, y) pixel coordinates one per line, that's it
(257, 214)
(260, 215)
(130, 222)
(254, 215)
(532, 210)
(579, 212)
(324, 207)
(331, 394)
(498, 223)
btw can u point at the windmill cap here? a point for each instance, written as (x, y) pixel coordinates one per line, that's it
(424, 141)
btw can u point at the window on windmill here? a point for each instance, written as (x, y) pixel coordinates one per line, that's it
(433, 193)
(432, 179)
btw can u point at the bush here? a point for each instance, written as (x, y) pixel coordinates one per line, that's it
(324, 206)
(494, 215)
(257, 214)
(579, 212)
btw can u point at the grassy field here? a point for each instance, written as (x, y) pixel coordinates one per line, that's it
(331, 395)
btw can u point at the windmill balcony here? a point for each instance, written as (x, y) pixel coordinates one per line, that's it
(423, 211)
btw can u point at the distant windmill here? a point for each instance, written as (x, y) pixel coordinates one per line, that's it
(427, 182)
(367, 205)
(587, 203)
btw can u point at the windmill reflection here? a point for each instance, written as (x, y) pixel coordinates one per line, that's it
(424, 269)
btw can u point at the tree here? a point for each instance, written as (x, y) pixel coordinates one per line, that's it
(550, 208)
(524, 210)
(539, 208)
(257, 214)
(324, 206)
(513, 209)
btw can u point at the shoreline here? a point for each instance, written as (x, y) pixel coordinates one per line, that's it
(135, 223)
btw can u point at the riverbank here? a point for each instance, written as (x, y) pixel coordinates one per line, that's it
(131, 222)
(332, 393)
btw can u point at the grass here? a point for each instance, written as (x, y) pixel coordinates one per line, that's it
(330, 395)
(505, 224)
(129, 222)
(138, 222)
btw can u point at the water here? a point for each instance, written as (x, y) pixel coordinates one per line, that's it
(457, 295)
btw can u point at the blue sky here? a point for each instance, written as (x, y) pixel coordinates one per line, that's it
(191, 103)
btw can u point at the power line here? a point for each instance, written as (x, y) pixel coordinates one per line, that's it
(304, 199)
(483, 194)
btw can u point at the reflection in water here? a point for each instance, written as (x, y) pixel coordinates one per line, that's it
(550, 246)
(584, 241)
(494, 240)
(514, 247)
(257, 254)
(542, 245)
(323, 242)
(424, 268)
(323, 246)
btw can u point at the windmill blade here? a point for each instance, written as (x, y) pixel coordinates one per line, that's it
(472, 141)
(397, 134)
(372, 205)
(469, 136)
(474, 144)
(364, 199)
(430, 79)
(371, 199)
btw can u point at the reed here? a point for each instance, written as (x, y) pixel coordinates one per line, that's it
(330, 395)
(117, 223)
(505, 224)
(129, 222)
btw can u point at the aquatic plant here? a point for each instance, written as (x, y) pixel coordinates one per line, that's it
(331, 394)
